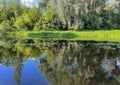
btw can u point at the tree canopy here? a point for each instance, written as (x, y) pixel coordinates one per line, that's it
(59, 15)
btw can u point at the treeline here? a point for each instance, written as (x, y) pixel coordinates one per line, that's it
(59, 15)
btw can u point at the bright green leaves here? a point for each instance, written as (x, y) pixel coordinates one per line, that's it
(33, 19)
(60, 14)
(46, 21)
(28, 19)
(22, 22)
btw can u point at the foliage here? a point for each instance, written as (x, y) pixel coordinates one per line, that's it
(63, 62)
(46, 21)
(87, 14)
(27, 20)
(60, 14)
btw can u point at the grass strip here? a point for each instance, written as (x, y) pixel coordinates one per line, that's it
(101, 35)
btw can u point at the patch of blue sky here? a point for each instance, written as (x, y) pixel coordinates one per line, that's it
(108, 1)
(30, 3)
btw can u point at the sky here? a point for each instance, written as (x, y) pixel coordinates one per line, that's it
(30, 3)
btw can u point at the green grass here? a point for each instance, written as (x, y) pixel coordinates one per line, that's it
(101, 35)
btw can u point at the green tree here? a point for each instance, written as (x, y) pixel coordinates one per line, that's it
(28, 19)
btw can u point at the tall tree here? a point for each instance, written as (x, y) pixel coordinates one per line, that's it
(43, 4)
(74, 14)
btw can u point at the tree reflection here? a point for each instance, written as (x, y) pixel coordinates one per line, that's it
(75, 63)
(17, 73)
(66, 63)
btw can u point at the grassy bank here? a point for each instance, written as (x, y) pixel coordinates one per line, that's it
(102, 35)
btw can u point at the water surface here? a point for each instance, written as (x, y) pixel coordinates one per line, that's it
(35, 62)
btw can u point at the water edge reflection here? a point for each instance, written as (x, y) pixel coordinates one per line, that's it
(61, 62)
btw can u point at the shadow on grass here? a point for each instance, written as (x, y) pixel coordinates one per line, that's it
(52, 35)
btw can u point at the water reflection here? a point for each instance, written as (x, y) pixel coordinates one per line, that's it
(34, 62)
(118, 62)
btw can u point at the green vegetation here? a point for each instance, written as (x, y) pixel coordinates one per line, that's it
(54, 20)
(102, 35)
(56, 57)
(63, 17)
(59, 15)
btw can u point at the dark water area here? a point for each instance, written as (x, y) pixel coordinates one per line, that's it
(36, 62)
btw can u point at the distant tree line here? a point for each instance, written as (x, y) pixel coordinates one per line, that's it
(59, 15)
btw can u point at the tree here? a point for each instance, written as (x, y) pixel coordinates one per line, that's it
(75, 14)
(28, 19)
(43, 4)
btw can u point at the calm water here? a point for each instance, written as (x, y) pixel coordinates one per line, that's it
(34, 62)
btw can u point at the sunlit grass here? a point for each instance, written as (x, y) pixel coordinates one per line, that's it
(102, 35)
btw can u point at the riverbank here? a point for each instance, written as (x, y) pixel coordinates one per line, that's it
(100, 35)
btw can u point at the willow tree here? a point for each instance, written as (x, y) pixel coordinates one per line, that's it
(94, 14)
(65, 9)
(43, 4)
(79, 14)
(113, 9)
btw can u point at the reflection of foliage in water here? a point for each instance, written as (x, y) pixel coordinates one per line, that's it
(65, 63)
(18, 52)
(79, 64)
